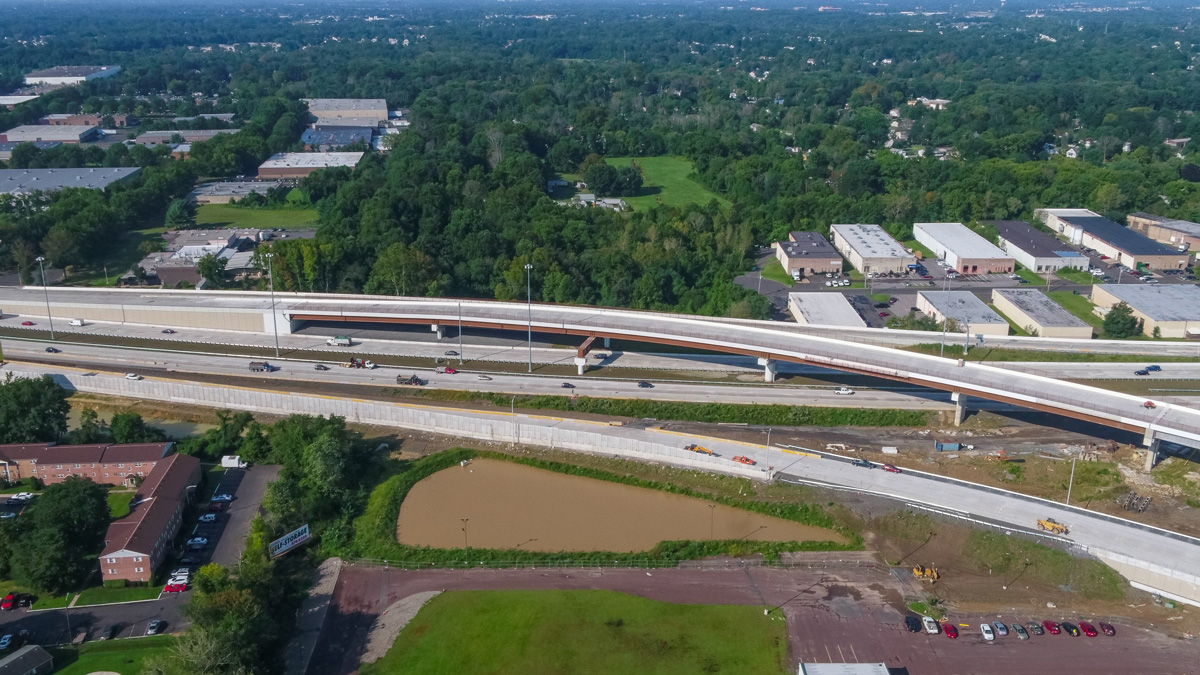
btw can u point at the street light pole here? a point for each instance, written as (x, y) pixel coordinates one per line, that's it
(46, 290)
(460, 347)
(1071, 483)
(271, 279)
(529, 311)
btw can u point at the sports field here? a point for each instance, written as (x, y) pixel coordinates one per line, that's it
(666, 182)
(536, 632)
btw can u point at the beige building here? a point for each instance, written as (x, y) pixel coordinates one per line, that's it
(1037, 314)
(824, 309)
(361, 111)
(1183, 235)
(1121, 244)
(969, 313)
(301, 164)
(1173, 309)
(807, 254)
(965, 251)
(870, 249)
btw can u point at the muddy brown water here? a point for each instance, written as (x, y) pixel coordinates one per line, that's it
(508, 505)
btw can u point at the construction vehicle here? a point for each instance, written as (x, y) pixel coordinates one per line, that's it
(924, 573)
(742, 459)
(1052, 526)
(411, 380)
(359, 363)
(997, 456)
(700, 449)
(261, 367)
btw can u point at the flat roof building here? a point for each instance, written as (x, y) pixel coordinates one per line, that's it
(24, 181)
(224, 192)
(11, 102)
(70, 74)
(6, 148)
(824, 309)
(28, 660)
(324, 140)
(374, 109)
(968, 312)
(870, 249)
(1183, 235)
(1173, 309)
(807, 254)
(188, 136)
(1036, 250)
(965, 251)
(1036, 313)
(1121, 244)
(75, 133)
(301, 164)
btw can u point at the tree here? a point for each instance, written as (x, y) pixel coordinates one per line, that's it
(602, 179)
(129, 427)
(68, 524)
(212, 269)
(90, 430)
(403, 270)
(1121, 323)
(181, 214)
(32, 410)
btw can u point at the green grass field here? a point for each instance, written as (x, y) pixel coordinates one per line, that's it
(918, 246)
(1013, 558)
(1077, 276)
(774, 271)
(544, 632)
(1078, 305)
(1032, 277)
(666, 181)
(126, 657)
(223, 215)
(118, 503)
(99, 595)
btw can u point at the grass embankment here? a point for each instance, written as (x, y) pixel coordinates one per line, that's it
(666, 181)
(1032, 277)
(990, 354)
(1012, 325)
(126, 657)
(118, 503)
(101, 595)
(918, 246)
(518, 632)
(773, 271)
(772, 415)
(1015, 559)
(1077, 276)
(375, 530)
(224, 215)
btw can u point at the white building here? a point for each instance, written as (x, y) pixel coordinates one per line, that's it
(870, 249)
(965, 251)
(1036, 250)
(969, 313)
(1037, 314)
(824, 309)
(301, 164)
(68, 75)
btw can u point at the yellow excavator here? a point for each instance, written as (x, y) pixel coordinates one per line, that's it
(700, 449)
(924, 573)
(1052, 526)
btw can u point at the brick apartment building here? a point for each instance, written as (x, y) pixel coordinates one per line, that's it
(102, 463)
(138, 543)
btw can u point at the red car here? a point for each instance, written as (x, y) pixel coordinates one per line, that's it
(1051, 627)
(26, 323)
(1088, 629)
(883, 314)
(926, 276)
(174, 588)
(9, 603)
(1107, 629)
(891, 468)
(216, 507)
(950, 631)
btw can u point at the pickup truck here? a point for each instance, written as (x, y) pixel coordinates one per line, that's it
(445, 370)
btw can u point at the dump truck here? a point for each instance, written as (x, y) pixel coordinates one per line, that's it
(339, 341)
(260, 367)
(700, 449)
(924, 573)
(1052, 526)
(742, 459)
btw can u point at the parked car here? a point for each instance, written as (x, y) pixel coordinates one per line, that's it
(1001, 629)
(6, 642)
(892, 468)
(168, 331)
(26, 599)
(931, 626)
(1070, 629)
(23, 496)
(1051, 627)
(182, 572)
(863, 463)
(174, 588)
(155, 627)
(1088, 629)
(1108, 629)
(1154, 369)
(950, 631)
(176, 581)
(110, 631)
(208, 518)
(191, 559)
(912, 624)
(893, 300)
(222, 498)
(645, 385)
(132, 376)
(987, 632)
(1020, 631)
(9, 602)
(1036, 628)
(320, 366)
(883, 315)
(7, 515)
(216, 507)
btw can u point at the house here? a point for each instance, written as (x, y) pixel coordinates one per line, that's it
(1183, 235)
(138, 543)
(870, 249)
(101, 463)
(70, 75)
(28, 660)
(1177, 143)
(614, 203)
(965, 251)
(1036, 250)
(301, 164)
(807, 254)
(824, 309)
(1119, 243)
(41, 132)
(1173, 309)
(969, 314)
(1037, 314)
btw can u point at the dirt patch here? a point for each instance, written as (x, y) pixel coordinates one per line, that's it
(503, 505)
(393, 620)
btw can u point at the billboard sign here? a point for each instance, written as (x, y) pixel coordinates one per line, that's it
(288, 541)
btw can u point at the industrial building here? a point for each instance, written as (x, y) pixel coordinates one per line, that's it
(188, 136)
(301, 164)
(870, 249)
(324, 140)
(1037, 314)
(6, 148)
(824, 309)
(1036, 250)
(807, 254)
(68, 75)
(76, 133)
(965, 251)
(226, 191)
(374, 111)
(1121, 244)
(1183, 235)
(24, 181)
(11, 102)
(968, 312)
(1173, 309)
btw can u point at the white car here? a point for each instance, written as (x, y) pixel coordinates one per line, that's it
(23, 496)
(222, 498)
(208, 518)
(132, 376)
(197, 541)
(182, 572)
(987, 632)
(177, 581)
(485, 378)
(844, 391)
(931, 626)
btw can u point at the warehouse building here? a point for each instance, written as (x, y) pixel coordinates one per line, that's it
(824, 309)
(806, 254)
(1120, 244)
(324, 140)
(1036, 250)
(1173, 309)
(6, 148)
(301, 164)
(1182, 235)
(374, 111)
(226, 191)
(965, 251)
(870, 249)
(969, 313)
(24, 181)
(29, 133)
(68, 75)
(188, 136)
(1037, 314)
(11, 102)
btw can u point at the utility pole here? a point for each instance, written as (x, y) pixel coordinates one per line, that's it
(460, 347)
(529, 311)
(46, 290)
(1072, 481)
(271, 279)
(712, 516)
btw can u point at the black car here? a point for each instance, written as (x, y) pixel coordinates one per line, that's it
(567, 385)
(110, 631)
(190, 559)
(863, 463)
(320, 366)
(451, 353)
(1070, 629)
(645, 385)
(912, 624)
(168, 331)
(1141, 372)
(52, 350)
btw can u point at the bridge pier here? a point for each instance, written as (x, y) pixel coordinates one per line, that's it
(960, 407)
(580, 364)
(439, 329)
(1151, 455)
(608, 343)
(770, 369)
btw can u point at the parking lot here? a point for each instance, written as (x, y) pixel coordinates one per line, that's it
(50, 627)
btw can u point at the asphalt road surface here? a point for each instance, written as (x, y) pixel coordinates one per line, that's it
(49, 627)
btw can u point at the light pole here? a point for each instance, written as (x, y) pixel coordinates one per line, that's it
(768, 438)
(712, 516)
(46, 290)
(516, 427)
(1071, 483)
(464, 530)
(460, 347)
(529, 311)
(271, 280)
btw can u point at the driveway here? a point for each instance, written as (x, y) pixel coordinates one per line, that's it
(247, 487)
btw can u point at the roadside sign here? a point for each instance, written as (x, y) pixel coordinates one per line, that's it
(288, 541)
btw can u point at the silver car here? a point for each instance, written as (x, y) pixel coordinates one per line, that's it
(1001, 629)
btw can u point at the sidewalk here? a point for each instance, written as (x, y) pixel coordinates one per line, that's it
(311, 618)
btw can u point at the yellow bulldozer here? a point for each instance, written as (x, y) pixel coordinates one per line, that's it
(1052, 526)
(924, 573)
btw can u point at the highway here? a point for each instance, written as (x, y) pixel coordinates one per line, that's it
(772, 342)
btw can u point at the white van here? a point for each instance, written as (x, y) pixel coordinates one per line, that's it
(76, 322)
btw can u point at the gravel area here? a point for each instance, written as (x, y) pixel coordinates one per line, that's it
(393, 620)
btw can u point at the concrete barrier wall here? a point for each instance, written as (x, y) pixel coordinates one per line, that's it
(490, 427)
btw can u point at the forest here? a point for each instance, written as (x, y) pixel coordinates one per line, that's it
(791, 115)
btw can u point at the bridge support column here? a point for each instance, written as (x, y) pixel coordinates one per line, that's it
(608, 343)
(960, 407)
(439, 329)
(580, 364)
(1151, 452)
(770, 369)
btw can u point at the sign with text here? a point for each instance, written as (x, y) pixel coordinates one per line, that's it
(288, 541)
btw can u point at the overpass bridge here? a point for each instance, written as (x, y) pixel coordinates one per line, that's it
(770, 342)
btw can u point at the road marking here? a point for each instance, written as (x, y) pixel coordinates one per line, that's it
(840, 654)
(828, 654)
(852, 653)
